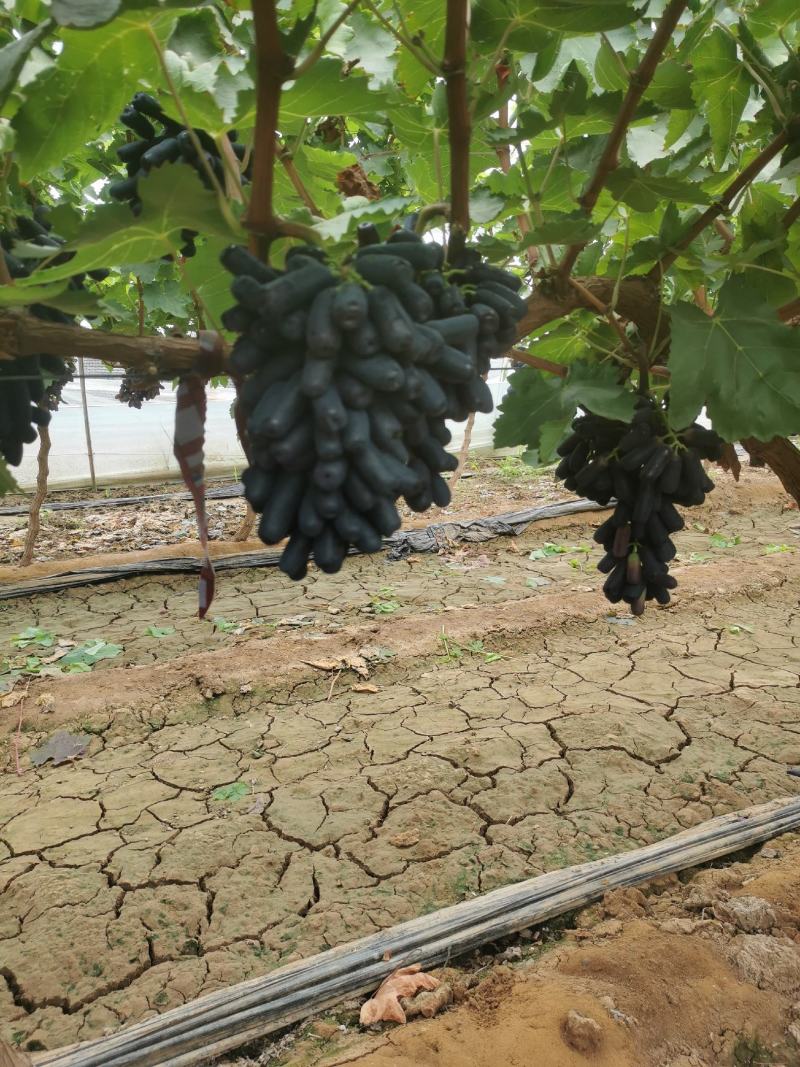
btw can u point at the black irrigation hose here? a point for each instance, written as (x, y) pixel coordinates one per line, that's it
(398, 546)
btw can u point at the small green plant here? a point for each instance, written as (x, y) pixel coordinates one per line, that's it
(160, 631)
(234, 791)
(749, 1051)
(384, 602)
(740, 627)
(698, 557)
(225, 626)
(771, 549)
(454, 652)
(718, 540)
(510, 467)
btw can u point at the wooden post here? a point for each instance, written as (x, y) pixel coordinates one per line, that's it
(38, 497)
(86, 428)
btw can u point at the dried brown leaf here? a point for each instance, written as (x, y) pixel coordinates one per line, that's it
(366, 687)
(61, 748)
(385, 1005)
(10, 700)
(324, 664)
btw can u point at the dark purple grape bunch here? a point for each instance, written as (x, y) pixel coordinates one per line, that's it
(346, 377)
(171, 143)
(30, 387)
(647, 469)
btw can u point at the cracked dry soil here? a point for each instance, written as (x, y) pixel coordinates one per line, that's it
(131, 882)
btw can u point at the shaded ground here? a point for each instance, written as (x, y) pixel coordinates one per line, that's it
(489, 486)
(241, 807)
(701, 971)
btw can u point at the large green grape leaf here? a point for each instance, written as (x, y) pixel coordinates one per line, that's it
(596, 387)
(14, 54)
(533, 399)
(645, 191)
(325, 91)
(741, 364)
(721, 88)
(523, 24)
(536, 398)
(173, 199)
(81, 96)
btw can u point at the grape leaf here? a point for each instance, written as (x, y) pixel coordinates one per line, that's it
(81, 96)
(536, 399)
(645, 192)
(62, 747)
(14, 54)
(173, 198)
(721, 88)
(562, 228)
(596, 386)
(84, 14)
(325, 92)
(741, 364)
(522, 24)
(533, 399)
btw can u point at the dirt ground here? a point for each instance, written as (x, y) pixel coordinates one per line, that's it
(371, 746)
(701, 970)
(489, 486)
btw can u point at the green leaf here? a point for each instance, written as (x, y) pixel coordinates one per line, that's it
(609, 67)
(550, 437)
(671, 86)
(160, 631)
(82, 95)
(359, 209)
(562, 229)
(7, 483)
(326, 91)
(595, 386)
(536, 400)
(718, 540)
(521, 23)
(235, 791)
(570, 96)
(721, 88)
(34, 635)
(741, 364)
(533, 399)
(645, 192)
(173, 199)
(771, 16)
(14, 54)
(84, 14)
(86, 655)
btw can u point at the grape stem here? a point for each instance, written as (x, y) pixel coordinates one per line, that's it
(454, 67)
(273, 68)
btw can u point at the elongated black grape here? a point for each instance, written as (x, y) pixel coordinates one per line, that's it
(347, 376)
(648, 469)
(173, 144)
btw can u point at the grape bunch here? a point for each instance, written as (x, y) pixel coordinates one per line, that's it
(30, 387)
(647, 469)
(346, 378)
(172, 144)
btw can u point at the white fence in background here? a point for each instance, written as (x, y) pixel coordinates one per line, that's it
(130, 444)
